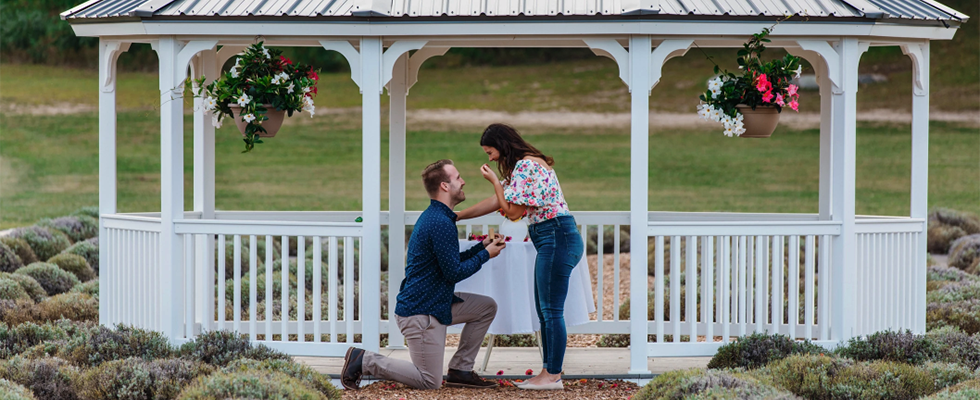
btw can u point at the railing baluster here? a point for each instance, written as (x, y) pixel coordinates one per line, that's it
(600, 263)
(761, 297)
(675, 287)
(616, 251)
(742, 254)
(332, 288)
(793, 313)
(189, 253)
(659, 287)
(269, 250)
(253, 283)
(823, 311)
(808, 286)
(777, 283)
(221, 282)
(317, 286)
(284, 277)
(300, 288)
(691, 290)
(349, 288)
(207, 320)
(707, 287)
(750, 286)
(237, 288)
(725, 296)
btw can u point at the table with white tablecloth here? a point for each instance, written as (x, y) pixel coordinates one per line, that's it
(509, 280)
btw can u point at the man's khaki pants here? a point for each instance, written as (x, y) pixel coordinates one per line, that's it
(426, 339)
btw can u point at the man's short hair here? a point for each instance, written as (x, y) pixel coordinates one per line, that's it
(434, 175)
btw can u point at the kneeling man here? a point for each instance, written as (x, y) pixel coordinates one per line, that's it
(427, 303)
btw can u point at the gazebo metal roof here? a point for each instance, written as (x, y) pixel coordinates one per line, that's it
(927, 10)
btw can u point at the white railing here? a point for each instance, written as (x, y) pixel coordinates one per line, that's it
(890, 281)
(323, 324)
(131, 270)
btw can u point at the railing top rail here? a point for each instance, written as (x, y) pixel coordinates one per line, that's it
(744, 223)
(131, 217)
(887, 220)
(225, 222)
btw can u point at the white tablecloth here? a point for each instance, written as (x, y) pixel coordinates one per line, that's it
(509, 280)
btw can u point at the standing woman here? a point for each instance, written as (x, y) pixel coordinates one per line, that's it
(530, 188)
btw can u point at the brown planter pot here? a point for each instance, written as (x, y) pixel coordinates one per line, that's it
(759, 123)
(271, 125)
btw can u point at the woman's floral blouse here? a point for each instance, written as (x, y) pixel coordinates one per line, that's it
(536, 187)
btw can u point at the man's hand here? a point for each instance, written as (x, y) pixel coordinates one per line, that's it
(491, 238)
(494, 248)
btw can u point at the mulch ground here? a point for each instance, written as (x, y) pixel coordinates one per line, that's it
(574, 389)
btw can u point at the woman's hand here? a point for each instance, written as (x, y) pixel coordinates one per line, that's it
(488, 174)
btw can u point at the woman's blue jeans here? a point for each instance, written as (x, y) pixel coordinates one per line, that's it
(560, 248)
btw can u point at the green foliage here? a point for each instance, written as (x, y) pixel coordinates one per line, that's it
(9, 260)
(964, 253)
(90, 288)
(20, 247)
(219, 348)
(249, 385)
(74, 264)
(135, 378)
(757, 350)
(697, 383)
(955, 346)
(88, 211)
(303, 373)
(966, 390)
(14, 312)
(15, 339)
(903, 347)
(29, 284)
(49, 378)
(77, 228)
(954, 292)
(11, 290)
(45, 243)
(75, 306)
(87, 250)
(964, 315)
(54, 280)
(518, 340)
(104, 344)
(12, 391)
(948, 374)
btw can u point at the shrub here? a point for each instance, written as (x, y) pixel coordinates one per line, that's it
(939, 237)
(20, 247)
(890, 346)
(90, 288)
(88, 251)
(964, 252)
(9, 260)
(104, 344)
(966, 390)
(757, 350)
(947, 374)
(15, 312)
(708, 384)
(16, 339)
(30, 285)
(45, 242)
(303, 373)
(964, 315)
(953, 292)
(248, 385)
(519, 340)
(12, 391)
(75, 306)
(969, 222)
(49, 378)
(954, 346)
(219, 348)
(75, 264)
(89, 211)
(54, 280)
(77, 228)
(946, 274)
(947, 225)
(881, 380)
(135, 378)
(11, 290)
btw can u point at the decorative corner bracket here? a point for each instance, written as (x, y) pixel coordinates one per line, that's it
(229, 51)
(828, 55)
(350, 53)
(611, 49)
(415, 63)
(395, 51)
(186, 54)
(111, 50)
(666, 50)
(918, 53)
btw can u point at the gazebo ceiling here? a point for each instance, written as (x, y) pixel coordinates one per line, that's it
(882, 10)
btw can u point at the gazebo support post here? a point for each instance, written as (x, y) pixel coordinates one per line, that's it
(397, 92)
(206, 65)
(371, 85)
(172, 187)
(919, 207)
(826, 187)
(109, 52)
(640, 85)
(844, 247)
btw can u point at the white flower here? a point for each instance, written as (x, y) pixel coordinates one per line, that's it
(715, 93)
(289, 89)
(799, 70)
(244, 100)
(215, 121)
(729, 132)
(234, 71)
(310, 109)
(704, 111)
(306, 90)
(275, 80)
(716, 114)
(210, 103)
(307, 101)
(283, 77)
(265, 52)
(248, 118)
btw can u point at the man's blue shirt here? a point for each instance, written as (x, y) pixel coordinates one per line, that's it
(434, 265)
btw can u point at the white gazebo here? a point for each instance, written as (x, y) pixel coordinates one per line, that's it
(157, 268)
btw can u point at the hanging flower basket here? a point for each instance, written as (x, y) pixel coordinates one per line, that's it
(271, 124)
(748, 105)
(758, 123)
(259, 91)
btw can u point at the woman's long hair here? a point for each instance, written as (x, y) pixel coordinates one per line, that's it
(511, 146)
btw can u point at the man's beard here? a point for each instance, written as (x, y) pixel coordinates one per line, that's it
(459, 197)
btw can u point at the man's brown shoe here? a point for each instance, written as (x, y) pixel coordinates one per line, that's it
(350, 376)
(467, 379)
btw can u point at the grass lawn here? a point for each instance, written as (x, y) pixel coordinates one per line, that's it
(50, 167)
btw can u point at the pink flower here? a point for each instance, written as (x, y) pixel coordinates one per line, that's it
(767, 97)
(501, 372)
(791, 90)
(762, 83)
(529, 371)
(779, 100)
(794, 105)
